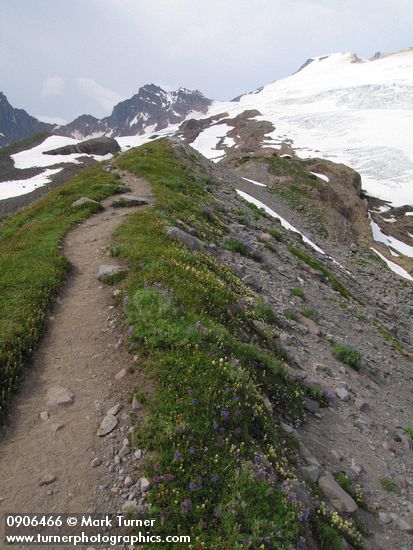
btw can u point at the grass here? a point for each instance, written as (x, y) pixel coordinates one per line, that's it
(389, 485)
(32, 269)
(395, 344)
(275, 233)
(310, 313)
(298, 291)
(315, 264)
(219, 460)
(347, 355)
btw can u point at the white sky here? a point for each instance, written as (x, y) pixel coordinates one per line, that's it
(59, 58)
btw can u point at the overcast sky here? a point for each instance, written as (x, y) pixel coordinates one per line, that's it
(62, 58)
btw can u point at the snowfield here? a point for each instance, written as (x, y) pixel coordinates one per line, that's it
(345, 109)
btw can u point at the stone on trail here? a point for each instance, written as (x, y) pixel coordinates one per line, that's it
(58, 395)
(132, 200)
(343, 394)
(44, 415)
(47, 479)
(82, 201)
(115, 409)
(96, 462)
(107, 271)
(121, 374)
(341, 500)
(107, 425)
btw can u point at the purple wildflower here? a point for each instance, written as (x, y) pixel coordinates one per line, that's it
(177, 455)
(192, 486)
(225, 414)
(235, 399)
(157, 479)
(192, 450)
(186, 506)
(215, 425)
(218, 512)
(214, 477)
(130, 331)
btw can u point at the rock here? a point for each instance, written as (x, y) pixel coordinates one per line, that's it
(107, 271)
(311, 405)
(403, 524)
(311, 472)
(302, 495)
(191, 242)
(385, 518)
(307, 456)
(389, 445)
(353, 248)
(313, 328)
(286, 428)
(130, 506)
(341, 500)
(286, 339)
(128, 481)
(47, 479)
(253, 282)
(357, 469)
(107, 425)
(144, 484)
(342, 393)
(95, 146)
(96, 462)
(44, 415)
(132, 200)
(121, 374)
(361, 405)
(266, 237)
(82, 201)
(56, 426)
(115, 409)
(138, 454)
(58, 395)
(124, 452)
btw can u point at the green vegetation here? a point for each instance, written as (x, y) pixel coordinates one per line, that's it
(264, 312)
(347, 355)
(389, 485)
(310, 313)
(237, 246)
(216, 450)
(298, 291)
(315, 264)
(275, 233)
(290, 314)
(395, 344)
(32, 268)
(352, 488)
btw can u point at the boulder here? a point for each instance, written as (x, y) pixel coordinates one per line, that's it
(341, 500)
(57, 395)
(193, 243)
(95, 146)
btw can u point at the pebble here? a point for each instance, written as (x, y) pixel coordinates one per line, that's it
(144, 484)
(123, 452)
(96, 462)
(342, 393)
(44, 415)
(57, 395)
(47, 479)
(121, 374)
(128, 481)
(385, 518)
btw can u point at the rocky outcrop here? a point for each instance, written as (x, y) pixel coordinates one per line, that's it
(17, 124)
(96, 146)
(151, 107)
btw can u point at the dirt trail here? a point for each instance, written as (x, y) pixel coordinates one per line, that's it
(82, 351)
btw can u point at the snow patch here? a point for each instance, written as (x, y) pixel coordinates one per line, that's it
(394, 267)
(321, 176)
(10, 189)
(207, 141)
(392, 242)
(255, 182)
